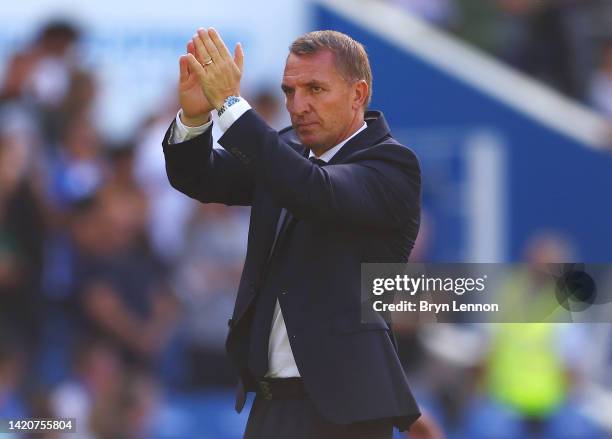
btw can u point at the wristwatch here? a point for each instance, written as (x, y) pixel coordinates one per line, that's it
(229, 101)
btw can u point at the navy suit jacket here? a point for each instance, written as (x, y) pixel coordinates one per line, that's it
(364, 206)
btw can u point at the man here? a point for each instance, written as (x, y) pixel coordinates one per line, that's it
(296, 335)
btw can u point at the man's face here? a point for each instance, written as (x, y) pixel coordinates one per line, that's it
(321, 102)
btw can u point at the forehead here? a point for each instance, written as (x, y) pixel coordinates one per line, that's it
(320, 66)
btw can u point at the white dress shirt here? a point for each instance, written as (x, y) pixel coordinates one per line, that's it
(281, 363)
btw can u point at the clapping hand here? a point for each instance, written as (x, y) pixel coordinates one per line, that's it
(209, 74)
(195, 106)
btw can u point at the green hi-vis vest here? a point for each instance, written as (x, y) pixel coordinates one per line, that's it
(525, 370)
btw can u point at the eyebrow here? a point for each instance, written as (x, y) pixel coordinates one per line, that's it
(313, 83)
(316, 83)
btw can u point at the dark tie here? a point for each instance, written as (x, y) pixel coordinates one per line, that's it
(266, 301)
(318, 161)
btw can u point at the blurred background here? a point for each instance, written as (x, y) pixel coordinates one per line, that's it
(115, 289)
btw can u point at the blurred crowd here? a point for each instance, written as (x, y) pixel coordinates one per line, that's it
(533, 380)
(566, 44)
(115, 290)
(113, 286)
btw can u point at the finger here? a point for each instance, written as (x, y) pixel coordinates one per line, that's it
(195, 65)
(201, 54)
(210, 46)
(191, 47)
(183, 68)
(219, 44)
(239, 56)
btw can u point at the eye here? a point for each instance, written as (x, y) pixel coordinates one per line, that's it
(316, 89)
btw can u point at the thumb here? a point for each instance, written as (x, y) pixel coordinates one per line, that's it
(183, 68)
(239, 56)
(194, 65)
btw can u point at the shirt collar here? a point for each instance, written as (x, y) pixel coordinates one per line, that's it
(330, 153)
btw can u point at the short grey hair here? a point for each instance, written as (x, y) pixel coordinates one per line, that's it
(350, 55)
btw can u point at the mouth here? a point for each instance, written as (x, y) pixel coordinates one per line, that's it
(301, 126)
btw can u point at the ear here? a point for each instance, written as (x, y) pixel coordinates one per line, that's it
(361, 93)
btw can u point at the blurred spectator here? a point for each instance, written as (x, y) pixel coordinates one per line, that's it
(54, 56)
(48, 77)
(442, 13)
(41, 408)
(448, 370)
(207, 279)
(267, 104)
(21, 235)
(98, 376)
(122, 187)
(537, 41)
(80, 96)
(532, 368)
(16, 76)
(478, 24)
(601, 85)
(554, 41)
(169, 210)
(128, 413)
(121, 284)
(78, 167)
(12, 403)
(56, 83)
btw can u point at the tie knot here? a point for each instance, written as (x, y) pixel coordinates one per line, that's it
(317, 161)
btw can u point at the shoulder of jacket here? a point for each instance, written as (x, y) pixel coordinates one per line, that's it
(386, 149)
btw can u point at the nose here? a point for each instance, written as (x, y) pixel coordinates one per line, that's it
(298, 104)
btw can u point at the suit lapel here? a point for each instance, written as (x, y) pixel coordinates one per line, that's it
(269, 216)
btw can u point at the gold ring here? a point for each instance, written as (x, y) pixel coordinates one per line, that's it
(208, 62)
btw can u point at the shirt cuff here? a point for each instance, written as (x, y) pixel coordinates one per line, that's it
(232, 114)
(182, 133)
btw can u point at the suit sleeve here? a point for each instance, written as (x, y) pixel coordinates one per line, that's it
(205, 173)
(381, 189)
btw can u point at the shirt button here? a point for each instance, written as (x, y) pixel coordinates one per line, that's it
(284, 293)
